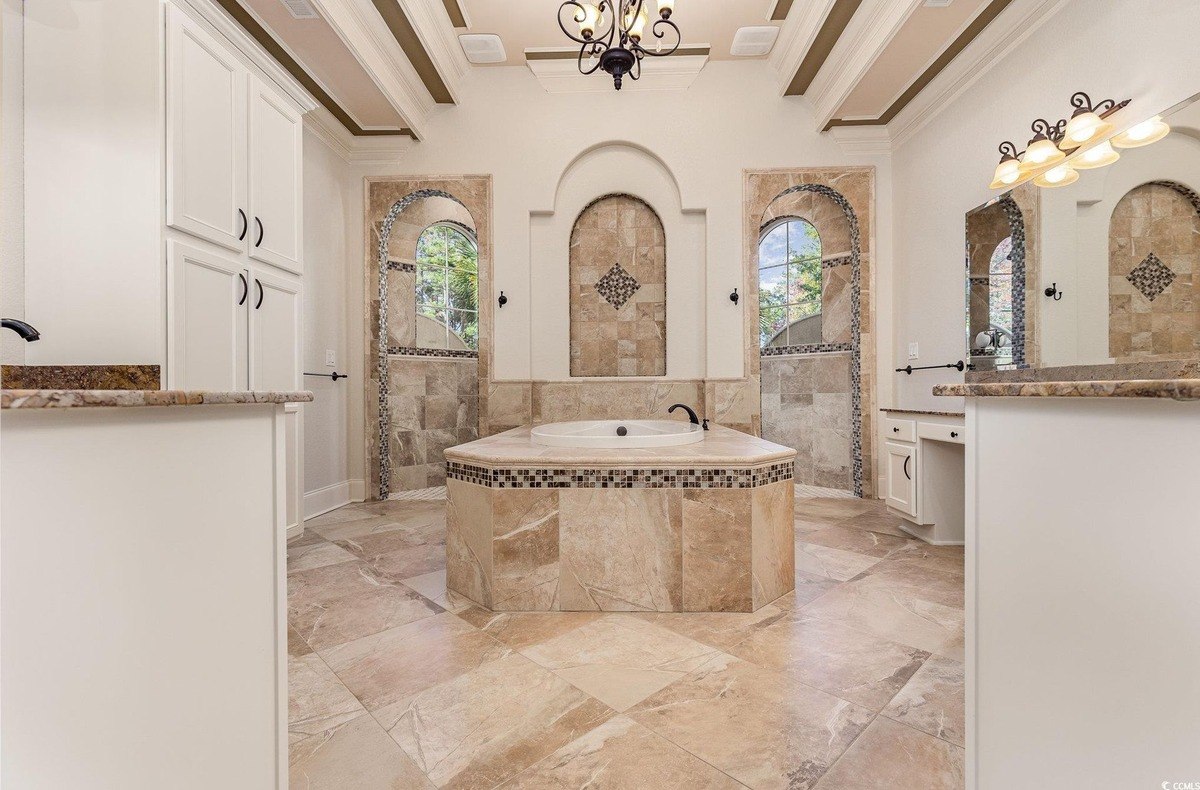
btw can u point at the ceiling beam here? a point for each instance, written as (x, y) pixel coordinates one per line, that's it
(865, 38)
(364, 33)
(796, 37)
(425, 33)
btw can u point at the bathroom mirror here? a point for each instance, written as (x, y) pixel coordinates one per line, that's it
(1102, 271)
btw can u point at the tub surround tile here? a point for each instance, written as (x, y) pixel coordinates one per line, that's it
(525, 555)
(469, 539)
(717, 544)
(81, 377)
(85, 399)
(1175, 389)
(787, 733)
(773, 542)
(619, 659)
(889, 756)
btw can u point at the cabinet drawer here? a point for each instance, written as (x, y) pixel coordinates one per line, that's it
(900, 430)
(941, 433)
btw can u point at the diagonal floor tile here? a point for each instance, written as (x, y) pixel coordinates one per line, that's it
(808, 589)
(876, 521)
(317, 700)
(620, 659)
(762, 727)
(311, 555)
(860, 541)
(850, 664)
(722, 630)
(948, 559)
(296, 645)
(891, 614)
(432, 585)
(385, 668)
(934, 701)
(917, 580)
(620, 755)
(833, 564)
(357, 754)
(490, 723)
(890, 756)
(520, 630)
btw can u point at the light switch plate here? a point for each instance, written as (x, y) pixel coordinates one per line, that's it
(912, 351)
(329, 358)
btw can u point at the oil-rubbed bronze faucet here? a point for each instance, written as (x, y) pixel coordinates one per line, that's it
(691, 414)
(26, 331)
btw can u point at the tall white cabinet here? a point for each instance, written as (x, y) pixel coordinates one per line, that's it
(233, 157)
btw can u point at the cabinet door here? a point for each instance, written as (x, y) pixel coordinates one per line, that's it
(206, 331)
(206, 135)
(274, 332)
(276, 153)
(901, 477)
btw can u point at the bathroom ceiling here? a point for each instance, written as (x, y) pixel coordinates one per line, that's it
(380, 67)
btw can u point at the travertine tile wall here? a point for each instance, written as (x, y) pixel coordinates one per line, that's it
(618, 315)
(1158, 220)
(433, 404)
(806, 405)
(986, 228)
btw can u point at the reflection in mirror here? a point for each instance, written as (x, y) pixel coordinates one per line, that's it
(997, 261)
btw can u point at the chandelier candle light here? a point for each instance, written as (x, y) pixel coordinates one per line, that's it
(611, 34)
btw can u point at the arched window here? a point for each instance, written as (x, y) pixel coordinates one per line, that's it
(789, 284)
(1000, 286)
(447, 288)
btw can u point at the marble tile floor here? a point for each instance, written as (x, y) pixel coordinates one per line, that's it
(854, 680)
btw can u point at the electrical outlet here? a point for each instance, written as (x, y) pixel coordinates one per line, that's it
(329, 363)
(912, 351)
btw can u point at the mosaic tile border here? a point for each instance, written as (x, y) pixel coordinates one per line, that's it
(619, 478)
(407, 351)
(1192, 196)
(855, 321)
(385, 417)
(833, 263)
(1016, 222)
(808, 348)
(401, 266)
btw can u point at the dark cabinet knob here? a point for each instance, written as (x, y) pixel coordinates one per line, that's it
(954, 434)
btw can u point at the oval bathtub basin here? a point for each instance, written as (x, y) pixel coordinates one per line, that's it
(617, 433)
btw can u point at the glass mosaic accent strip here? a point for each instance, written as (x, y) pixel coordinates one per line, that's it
(617, 285)
(400, 266)
(841, 260)
(407, 351)
(1016, 223)
(809, 348)
(1151, 277)
(619, 478)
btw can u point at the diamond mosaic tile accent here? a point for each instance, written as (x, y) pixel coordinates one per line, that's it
(617, 285)
(1151, 277)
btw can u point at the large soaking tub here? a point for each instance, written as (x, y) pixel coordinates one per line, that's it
(576, 517)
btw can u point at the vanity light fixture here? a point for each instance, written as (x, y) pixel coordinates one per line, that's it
(1096, 156)
(1009, 169)
(1086, 124)
(611, 33)
(1043, 150)
(1057, 176)
(1144, 133)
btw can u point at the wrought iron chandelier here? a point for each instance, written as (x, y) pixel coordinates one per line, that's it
(611, 34)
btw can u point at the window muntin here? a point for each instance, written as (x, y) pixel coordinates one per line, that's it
(789, 278)
(1000, 286)
(448, 283)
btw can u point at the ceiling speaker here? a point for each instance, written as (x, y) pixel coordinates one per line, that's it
(749, 42)
(483, 48)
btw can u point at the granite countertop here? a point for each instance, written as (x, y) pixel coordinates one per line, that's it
(721, 447)
(1175, 389)
(927, 412)
(82, 399)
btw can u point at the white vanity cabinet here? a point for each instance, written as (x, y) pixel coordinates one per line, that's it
(924, 473)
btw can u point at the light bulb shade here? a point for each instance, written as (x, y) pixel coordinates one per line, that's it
(1042, 152)
(1058, 176)
(638, 26)
(1082, 128)
(1144, 133)
(1007, 173)
(1096, 156)
(591, 20)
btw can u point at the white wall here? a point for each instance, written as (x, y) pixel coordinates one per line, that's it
(730, 119)
(332, 212)
(1118, 48)
(12, 177)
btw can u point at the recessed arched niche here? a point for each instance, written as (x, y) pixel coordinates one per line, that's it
(618, 277)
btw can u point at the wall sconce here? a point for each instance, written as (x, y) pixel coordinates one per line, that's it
(503, 300)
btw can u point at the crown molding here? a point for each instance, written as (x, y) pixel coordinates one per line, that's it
(1019, 21)
(436, 31)
(561, 75)
(796, 36)
(381, 150)
(865, 38)
(864, 140)
(214, 17)
(366, 35)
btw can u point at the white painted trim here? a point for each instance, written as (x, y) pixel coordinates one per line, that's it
(865, 140)
(364, 32)
(677, 72)
(869, 33)
(358, 490)
(796, 36)
(330, 497)
(1005, 33)
(214, 18)
(375, 150)
(926, 540)
(432, 23)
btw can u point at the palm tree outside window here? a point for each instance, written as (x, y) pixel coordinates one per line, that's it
(448, 283)
(789, 283)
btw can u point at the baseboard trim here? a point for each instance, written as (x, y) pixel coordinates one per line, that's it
(331, 497)
(358, 490)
